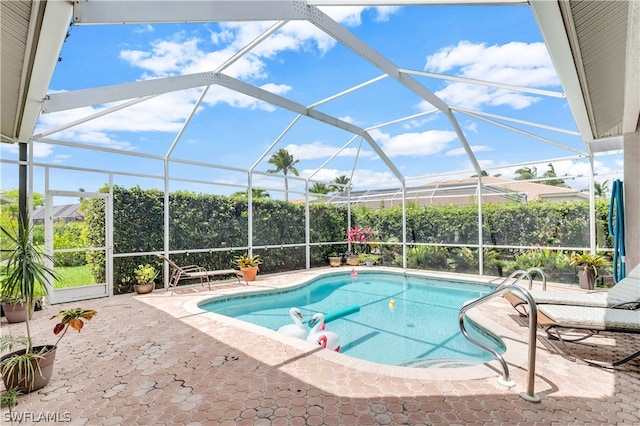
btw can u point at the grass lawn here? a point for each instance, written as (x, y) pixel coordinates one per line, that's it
(74, 276)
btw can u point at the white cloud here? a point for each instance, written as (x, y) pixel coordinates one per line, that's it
(474, 148)
(414, 144)
(516, 63)
(317, 150)
(39, 150)
(352, 15)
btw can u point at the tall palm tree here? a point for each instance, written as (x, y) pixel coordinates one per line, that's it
(338, 182)
(285, 163)
(319, 188)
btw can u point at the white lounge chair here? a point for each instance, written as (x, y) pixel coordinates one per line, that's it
(623, 295)
(559, 320)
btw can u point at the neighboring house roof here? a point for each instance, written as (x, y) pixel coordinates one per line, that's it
(64, 213)
(6, 200)
(463, 192)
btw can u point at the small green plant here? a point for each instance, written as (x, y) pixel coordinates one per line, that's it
(145, 274)
(246, 261)
(589, 261)
(364, 257)
(9, 398)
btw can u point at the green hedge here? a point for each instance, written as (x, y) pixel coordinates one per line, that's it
(200, 223)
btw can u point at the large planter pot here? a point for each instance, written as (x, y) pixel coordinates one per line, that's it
(587, 279)
(250, 273)
(335, 261)
(42, 368)
(15, 312)
(144, 288)
(352, 260)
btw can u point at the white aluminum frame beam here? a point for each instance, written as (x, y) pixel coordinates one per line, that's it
(554, 33)
(48, 43)
(349, 40)
(162, 11)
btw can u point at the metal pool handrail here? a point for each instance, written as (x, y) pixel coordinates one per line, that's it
(518, 275)
(533, 323)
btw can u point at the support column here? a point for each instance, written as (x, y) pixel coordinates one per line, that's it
(632, 198)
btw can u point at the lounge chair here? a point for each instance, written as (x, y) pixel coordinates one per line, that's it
(623, 295)
(561, 321)
(195, 272)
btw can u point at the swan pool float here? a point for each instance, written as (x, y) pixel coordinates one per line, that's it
(296, 328)
(321, 336)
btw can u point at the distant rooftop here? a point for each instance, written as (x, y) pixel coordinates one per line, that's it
(65, 213)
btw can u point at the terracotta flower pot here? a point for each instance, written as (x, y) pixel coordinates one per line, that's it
(15, 312)
(353, 260)
(250, 273)
(334, 261)
(144, 288)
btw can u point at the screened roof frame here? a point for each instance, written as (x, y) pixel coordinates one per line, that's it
(283, 11)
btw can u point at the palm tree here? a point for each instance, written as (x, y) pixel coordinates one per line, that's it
(285, 163)
(337, 183)
(255, 193)
(526, 173)
(319, 188)
(601, 189)
(550, 174)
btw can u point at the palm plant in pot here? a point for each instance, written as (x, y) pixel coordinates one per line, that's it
(25, 277)
(248, 265)
(588, 264)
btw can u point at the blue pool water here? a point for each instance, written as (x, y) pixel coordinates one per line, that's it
(421, 330)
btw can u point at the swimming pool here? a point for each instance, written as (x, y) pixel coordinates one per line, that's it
(418, 329)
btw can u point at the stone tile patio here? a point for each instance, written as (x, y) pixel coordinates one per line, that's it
(159, 360)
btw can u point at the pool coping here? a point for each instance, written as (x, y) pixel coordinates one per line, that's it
(516, 354)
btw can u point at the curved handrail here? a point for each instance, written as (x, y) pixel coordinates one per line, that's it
(533, 323)
(541, 272)
(518, 275)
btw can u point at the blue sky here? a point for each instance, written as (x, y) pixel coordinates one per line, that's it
(302, 63)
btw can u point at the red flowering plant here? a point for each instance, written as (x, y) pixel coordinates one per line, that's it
(358, 239)
(71, 318)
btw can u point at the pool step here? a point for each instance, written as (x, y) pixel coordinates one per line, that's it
(438, 363)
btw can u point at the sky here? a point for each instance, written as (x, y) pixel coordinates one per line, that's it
(300, 62)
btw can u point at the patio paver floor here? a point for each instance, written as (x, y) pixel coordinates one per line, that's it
(152, 360)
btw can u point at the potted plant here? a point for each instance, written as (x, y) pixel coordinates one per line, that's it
(357, 239)
(588, 264)
(26, 277)
(335, 259)
(145, 278)
(14, 305)
(249, 265)
(14, 308)
(30, 368)
(368, 258)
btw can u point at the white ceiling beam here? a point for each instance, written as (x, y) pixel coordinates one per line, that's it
(510, 87)
(417, 2)
(53, 31)
(549, 19)
(162, 11)
(63, 101)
